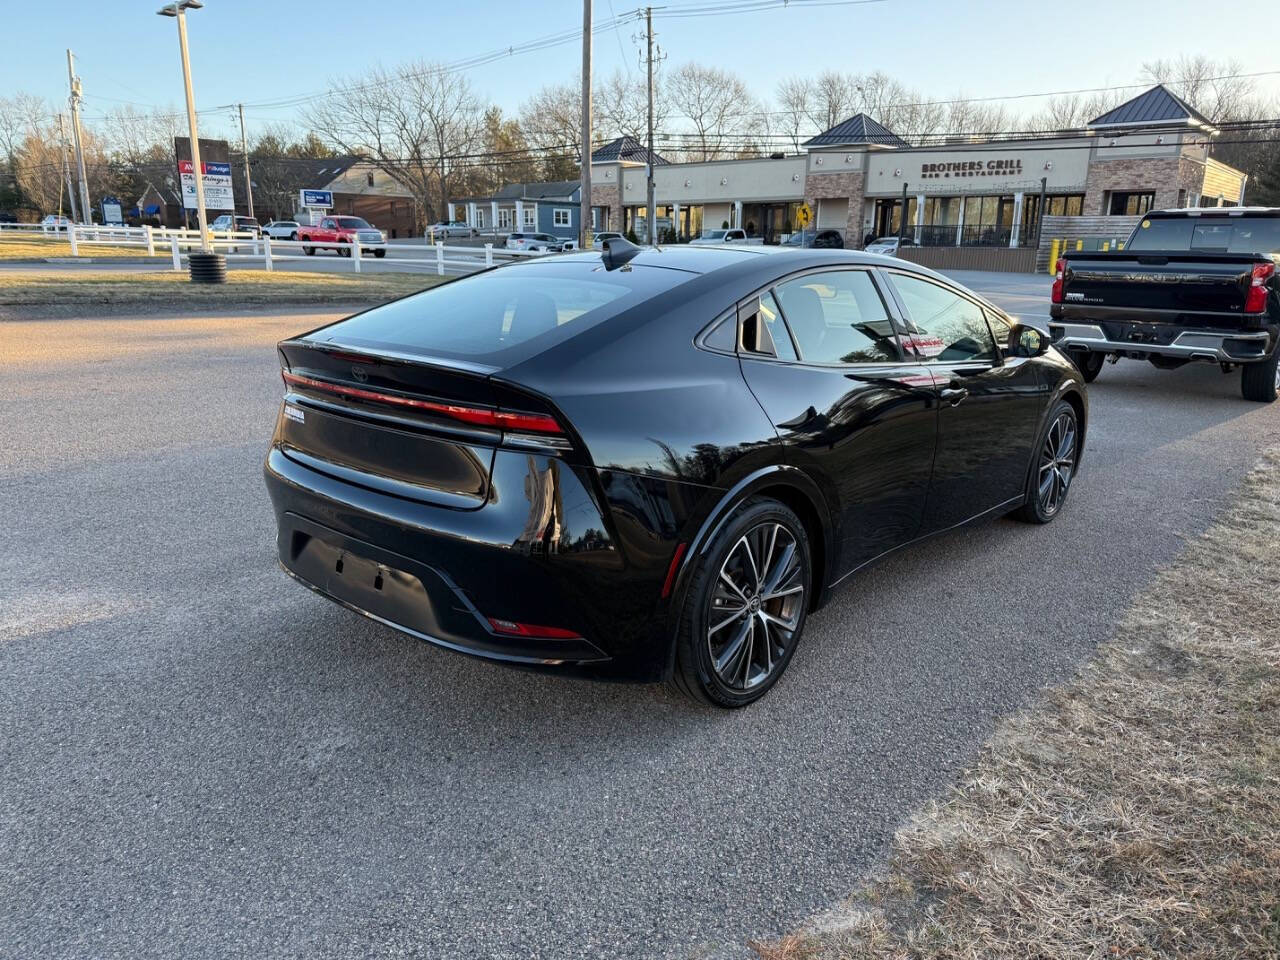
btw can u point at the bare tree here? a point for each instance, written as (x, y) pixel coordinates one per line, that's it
(835, 97)
(1214, 87)
(795, 107)
(719, 106)
(551, 124)
(621, 105)
(415, 123)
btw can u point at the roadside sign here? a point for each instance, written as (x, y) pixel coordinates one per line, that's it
(804, 216)
(216, 174)
(112, 214)
(317, 198)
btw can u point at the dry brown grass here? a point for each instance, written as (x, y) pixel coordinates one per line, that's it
(1134, 812)
(16, 247)
(122, 287)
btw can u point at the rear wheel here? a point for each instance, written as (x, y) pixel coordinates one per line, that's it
(1055, 466)
(745, 607)
(1261, 381)
(380, 253)
(294, 235)
(1089, 363)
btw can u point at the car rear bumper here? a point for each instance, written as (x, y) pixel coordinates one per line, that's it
(415, 598)
(540, 552)
(1215, 346)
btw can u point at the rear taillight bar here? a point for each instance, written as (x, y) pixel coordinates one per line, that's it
(1255, 300)
(1059, 277)
(479, 416)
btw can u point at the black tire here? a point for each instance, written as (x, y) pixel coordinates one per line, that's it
(1260, 382)
(344, 252)
(380, 253)
(294, 235)
(1051, 451)
(781, 541)
(1089, 363)
(309, 251)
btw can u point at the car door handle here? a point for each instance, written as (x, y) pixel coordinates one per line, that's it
(953, 394)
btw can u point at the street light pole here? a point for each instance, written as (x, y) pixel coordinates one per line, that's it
(74, 81)
(244, 148)
(179, 12)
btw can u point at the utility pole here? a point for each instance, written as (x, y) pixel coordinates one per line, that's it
(66, 172)
(650, 212)
(584, 210)
(85, 209)
(244, 148)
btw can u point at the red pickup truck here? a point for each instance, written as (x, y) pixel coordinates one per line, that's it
(334, 230)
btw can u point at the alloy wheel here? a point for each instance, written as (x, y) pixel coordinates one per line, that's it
(1057, 463)
(756, 606)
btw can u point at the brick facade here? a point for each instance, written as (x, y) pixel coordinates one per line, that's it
(1168, 175)
(608, 195)
(833, 186)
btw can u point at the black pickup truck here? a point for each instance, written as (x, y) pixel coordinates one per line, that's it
(1199, 284)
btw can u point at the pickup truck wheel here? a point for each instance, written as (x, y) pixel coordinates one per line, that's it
(309, 251)
(380, 253)
(1054, 466)
(1261, 381)
(1089, 363)
(344, 252)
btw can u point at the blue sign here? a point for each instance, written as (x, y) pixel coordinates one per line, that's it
(317, 198)
(112, 215)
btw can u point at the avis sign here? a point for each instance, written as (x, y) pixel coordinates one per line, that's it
(215, 161)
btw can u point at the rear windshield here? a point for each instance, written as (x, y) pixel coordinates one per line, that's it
(503, 315)
(714, 235)
(353, 223)
(1208, 234)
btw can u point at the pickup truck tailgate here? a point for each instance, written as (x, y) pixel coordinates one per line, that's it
(1206, 285)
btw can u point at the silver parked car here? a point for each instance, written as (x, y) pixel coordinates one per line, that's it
(451, 228)
(888, 245)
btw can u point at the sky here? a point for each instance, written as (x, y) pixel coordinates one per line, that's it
(257, 52)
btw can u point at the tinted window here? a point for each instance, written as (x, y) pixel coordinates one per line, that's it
(1212, 235)
(838, 317)
(353, 223)
(490, 314)
(950, 327)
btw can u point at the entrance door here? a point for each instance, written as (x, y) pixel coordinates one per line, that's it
(990, 403)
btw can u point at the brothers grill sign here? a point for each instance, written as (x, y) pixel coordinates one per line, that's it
(971, 168)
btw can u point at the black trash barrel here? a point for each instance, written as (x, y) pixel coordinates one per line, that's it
(208, 267)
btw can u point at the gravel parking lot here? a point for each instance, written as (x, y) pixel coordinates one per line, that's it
(202, 758)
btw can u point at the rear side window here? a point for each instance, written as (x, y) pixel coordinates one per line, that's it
(952, 328)
(838, 317)
(1209, 234)
(494, 315)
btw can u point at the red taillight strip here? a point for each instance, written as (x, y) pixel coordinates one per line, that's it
(481, 416)
(513, 629)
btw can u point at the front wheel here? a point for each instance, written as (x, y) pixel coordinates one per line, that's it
(309, 251)
(1054, 468)
(744, 607)
(1089, 363)
(1260, 382)
(380, 253)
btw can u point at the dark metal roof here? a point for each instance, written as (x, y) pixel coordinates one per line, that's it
(856, 130)
(1159, 104)
(627, 150)
(550, 190)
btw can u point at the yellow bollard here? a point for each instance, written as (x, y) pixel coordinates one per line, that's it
(1106, 245)
(1079, 244)
(1053, 255)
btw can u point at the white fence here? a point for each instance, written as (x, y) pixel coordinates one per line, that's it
(249, 249)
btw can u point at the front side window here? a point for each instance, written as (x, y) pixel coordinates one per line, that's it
(951, 328)
(838, 317)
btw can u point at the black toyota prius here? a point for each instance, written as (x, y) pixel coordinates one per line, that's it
(655, 464)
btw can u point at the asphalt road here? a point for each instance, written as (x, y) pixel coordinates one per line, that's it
(201, 758)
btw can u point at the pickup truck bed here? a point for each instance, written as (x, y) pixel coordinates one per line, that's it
(1174, 306)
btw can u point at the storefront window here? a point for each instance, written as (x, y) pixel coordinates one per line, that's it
(1131, 204)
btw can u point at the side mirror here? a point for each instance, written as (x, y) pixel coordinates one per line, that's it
(1027, 341)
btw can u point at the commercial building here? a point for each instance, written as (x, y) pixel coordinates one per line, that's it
(859, 178)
